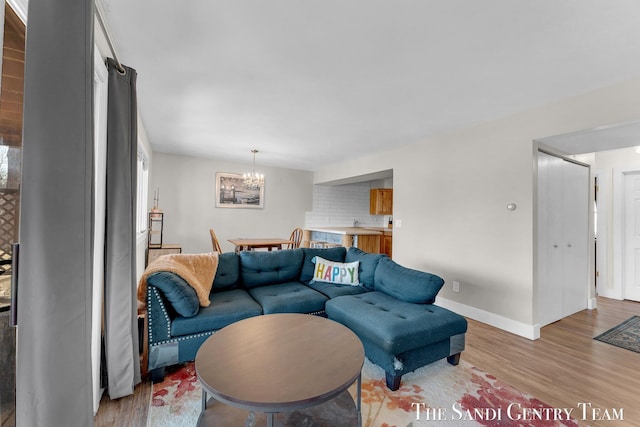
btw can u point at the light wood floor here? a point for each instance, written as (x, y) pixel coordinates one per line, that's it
(564, 367)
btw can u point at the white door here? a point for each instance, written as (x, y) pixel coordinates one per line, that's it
(575, 241)
(550, 258)
(563, 238)
(631, 275)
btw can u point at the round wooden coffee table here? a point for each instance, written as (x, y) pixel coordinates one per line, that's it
(280, 363)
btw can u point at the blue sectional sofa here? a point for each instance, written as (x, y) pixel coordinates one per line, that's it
(391, 309)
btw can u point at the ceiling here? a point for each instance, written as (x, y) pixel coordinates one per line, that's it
(310, 82)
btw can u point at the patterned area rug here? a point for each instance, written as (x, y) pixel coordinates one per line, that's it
(444, 394)
(625, 335)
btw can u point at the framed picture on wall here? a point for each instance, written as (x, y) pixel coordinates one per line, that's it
(233, 192)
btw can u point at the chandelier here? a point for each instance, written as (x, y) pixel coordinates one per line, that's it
(252, 179)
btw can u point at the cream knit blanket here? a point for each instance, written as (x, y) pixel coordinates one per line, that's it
(198, 270)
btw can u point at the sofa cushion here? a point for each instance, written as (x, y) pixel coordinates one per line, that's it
(290, 297)
(226, 307)
(228, 273)
(332, 254)
(176, 290)
(260, 268)
(405, 283)
(333, 290)
(368, 264)
(393, 325)
(344, 273)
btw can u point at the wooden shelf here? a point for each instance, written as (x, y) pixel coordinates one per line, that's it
(154, 233)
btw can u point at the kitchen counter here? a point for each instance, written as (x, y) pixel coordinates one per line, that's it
(369, 239)
(354, 231)
(385, 230)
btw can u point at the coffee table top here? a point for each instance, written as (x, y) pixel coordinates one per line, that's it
(279, 362)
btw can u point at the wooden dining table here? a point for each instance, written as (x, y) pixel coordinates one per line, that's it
(245, 244)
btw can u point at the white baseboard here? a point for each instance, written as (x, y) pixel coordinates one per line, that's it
(531, 332)
(592, 304)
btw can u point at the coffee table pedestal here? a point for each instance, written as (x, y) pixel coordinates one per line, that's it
(340, 411)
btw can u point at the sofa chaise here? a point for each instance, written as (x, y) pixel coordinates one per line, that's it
(389, 307)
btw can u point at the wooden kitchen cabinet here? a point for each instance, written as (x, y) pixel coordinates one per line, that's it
(369, 243)
(386, 244)
(381, 201)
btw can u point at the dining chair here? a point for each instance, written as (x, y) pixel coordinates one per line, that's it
(296, 238)
(214, 241)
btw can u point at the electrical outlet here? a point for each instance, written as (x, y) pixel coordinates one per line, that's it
(456, 286)
(398, 223)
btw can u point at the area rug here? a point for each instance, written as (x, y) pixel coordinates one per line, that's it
(625, 335)
(433, 395)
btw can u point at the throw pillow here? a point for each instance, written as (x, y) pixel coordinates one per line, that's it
(332, 254)
(181, 296)
(342, 273)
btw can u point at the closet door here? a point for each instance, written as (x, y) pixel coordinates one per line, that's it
(563, 254)
(550, 230)
(575, 185)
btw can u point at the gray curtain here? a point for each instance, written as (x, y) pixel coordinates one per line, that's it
(120, 315)
(53, 386)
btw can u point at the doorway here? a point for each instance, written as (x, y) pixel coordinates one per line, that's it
(615, 154)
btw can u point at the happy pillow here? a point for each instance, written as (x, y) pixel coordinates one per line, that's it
(343, 273)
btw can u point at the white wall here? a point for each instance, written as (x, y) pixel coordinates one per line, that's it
(450, 196)
(187, 198)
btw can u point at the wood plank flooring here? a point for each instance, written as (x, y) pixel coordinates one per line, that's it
(127, 411)
(564, 367)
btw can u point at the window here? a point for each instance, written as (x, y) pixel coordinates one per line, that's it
(143, 192)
